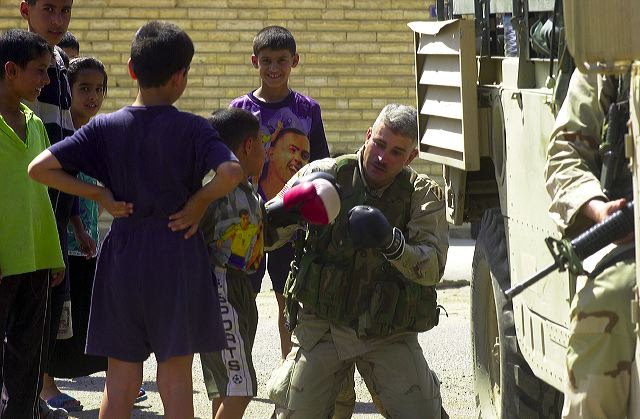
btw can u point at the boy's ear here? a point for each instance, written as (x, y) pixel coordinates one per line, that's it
(247, 144)
(296, 60)
(254, 61)
(24, 9)
(10, 69)
(131, 72)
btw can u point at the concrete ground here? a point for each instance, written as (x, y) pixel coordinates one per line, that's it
(447, 348)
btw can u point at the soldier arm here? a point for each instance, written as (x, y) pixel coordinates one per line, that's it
(427, 239)
(572, 169)
(278, 237)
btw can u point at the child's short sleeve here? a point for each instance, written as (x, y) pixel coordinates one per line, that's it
(209, 147)
(317, 138)
(81, 152)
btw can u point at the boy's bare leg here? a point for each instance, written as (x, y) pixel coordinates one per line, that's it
(175, 385)
(285, 336)
(120, 390)
(49, 387)
(231, 407)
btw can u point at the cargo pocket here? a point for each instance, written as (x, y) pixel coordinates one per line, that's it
(384, 300)
(427, 311)
(307, 283)
(333, 291)
(279, 384)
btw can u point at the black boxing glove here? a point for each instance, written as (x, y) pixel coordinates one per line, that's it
(369, 228)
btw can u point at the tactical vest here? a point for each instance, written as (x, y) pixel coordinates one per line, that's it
(359, 288)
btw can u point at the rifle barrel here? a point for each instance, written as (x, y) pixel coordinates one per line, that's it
(517, 289)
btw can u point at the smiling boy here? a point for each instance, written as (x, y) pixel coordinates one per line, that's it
(278, 107)
(29, 249)
(50, 19)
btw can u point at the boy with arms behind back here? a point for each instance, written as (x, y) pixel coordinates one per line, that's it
(278, 107)
(29, 248)
(153, 289)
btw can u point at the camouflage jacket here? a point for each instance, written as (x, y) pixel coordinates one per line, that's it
(573, 165)
(427, 241)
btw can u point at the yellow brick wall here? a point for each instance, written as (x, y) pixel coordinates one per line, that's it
(356, 55)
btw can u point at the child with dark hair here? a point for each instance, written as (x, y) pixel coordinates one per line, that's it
(278, 107)
(70, 45)
(88, 80)
(232, 228)
(29, 250)
(50, 19)
(153, 290)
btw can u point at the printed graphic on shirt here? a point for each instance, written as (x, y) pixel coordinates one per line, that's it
(286, 154)
(238, 232)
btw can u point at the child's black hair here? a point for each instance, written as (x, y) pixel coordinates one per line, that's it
(274, 38)
(234, 125)
(287, 130)
(69, 40)
(21, 46)
(86, 63)
(158, 51)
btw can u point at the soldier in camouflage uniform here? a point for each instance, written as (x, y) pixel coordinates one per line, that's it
(601, 343)
(361, 300)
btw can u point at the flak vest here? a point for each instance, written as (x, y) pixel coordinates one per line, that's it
(359, 288)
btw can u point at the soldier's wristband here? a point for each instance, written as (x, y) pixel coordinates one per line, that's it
(396, 247)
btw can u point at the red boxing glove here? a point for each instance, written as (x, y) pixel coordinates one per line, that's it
(317, 201)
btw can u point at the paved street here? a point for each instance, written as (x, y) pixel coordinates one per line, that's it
(446, 347)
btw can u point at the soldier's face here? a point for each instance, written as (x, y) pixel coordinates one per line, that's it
(385, 154)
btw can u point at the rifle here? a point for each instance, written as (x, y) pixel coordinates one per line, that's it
(615, 176)
(570, 254)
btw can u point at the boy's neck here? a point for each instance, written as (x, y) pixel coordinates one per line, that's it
(78, 121)
(269, 95)
(9, 102)
(154, 96)
(244, 164)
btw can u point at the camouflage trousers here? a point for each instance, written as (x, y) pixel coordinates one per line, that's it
(307, 383)
(601, 345)
(346, 399)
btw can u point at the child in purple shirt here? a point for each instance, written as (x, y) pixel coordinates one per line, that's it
(153, 289)
(292, 131)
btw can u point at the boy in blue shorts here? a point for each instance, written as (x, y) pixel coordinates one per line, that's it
(29, 249)
(153, 290)
(232, 228)
(279, 108)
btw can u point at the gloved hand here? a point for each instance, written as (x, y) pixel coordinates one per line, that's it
(314, 198)
(369, 228)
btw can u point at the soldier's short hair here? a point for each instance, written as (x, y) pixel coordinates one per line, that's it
(401, 119)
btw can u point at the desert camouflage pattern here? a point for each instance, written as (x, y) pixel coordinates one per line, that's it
(321, 363)
(601, 344)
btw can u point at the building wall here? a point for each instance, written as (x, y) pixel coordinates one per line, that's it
(356, 55)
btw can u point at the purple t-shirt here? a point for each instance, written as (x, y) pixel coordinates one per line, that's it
(155, 157)
(295, 111)
(153, 290)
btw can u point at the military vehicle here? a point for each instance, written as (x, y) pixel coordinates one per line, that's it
(490, 76)
(489, 81)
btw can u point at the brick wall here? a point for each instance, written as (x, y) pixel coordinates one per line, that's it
(356, 55)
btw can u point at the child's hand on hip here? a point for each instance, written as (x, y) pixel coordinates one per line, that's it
(188, 217)
(115, 208)
(57, 275)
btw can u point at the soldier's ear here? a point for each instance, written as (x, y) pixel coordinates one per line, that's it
(412, 156)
